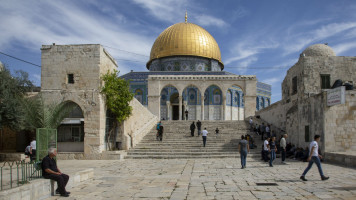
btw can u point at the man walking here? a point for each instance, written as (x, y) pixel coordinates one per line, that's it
(243, 149)
(204, 134)
(314, 157)
(51, 171)
(265, 149)
(186, 114)
(160, 132)
(268, 130)
(283, 144)
(251, 124)
(262, 130)
(192, 129)
(199, 127)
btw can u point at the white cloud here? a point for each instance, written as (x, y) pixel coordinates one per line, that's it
(33, 23)
(296, 43)
(207, 20)
(344, 47)
(272, 81)
(247, 48)
(174, 11)
(166, 10)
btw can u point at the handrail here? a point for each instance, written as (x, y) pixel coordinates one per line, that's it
(20, 172)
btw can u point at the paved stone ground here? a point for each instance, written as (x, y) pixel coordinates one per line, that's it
(209, 179)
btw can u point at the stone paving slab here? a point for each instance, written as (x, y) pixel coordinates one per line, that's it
(209, 179)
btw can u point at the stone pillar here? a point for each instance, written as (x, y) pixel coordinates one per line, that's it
(168, 103)
(223, 108)
(180, 107)
(202, 107)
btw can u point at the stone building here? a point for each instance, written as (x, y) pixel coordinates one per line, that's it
(71, 73)
(186, 74)
(304, 111)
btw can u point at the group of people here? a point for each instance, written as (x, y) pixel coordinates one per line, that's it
(270, 148)
(311, 153)
(30, 150)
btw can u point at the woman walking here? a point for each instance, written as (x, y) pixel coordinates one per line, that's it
(243, 149)
(272, 150)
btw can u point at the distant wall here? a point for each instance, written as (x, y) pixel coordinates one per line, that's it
(133, 129)
(340, 125)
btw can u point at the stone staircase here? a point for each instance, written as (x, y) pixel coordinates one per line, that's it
(178, 143)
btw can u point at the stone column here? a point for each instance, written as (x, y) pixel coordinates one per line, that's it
(180, 107)
(202, 107)
(223, 108)
(168, 103)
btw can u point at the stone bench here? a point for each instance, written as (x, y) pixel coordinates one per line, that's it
(44, 188)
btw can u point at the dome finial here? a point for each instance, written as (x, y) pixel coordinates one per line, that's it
(186, 16)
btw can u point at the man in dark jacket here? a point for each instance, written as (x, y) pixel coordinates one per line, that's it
(160, 132)
(192, 128)
(199, 127)
(51, 171)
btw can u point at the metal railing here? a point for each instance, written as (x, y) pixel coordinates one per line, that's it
(16, 173)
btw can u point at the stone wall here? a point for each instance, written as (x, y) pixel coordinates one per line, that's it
(274, 114)
(340, 125)
(133, 129)
(87, 63)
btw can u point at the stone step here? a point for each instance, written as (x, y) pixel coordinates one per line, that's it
(184, 157)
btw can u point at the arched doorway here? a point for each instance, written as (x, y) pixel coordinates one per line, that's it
(212, 103)
(170, 103)
(192, 102)
(234, 107)
(70, 134)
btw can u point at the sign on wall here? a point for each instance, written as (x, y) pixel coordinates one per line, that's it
(336, 96)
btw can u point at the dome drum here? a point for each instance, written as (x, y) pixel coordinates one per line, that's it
(185, 63)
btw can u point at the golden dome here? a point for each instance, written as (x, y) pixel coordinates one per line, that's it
(185, 39)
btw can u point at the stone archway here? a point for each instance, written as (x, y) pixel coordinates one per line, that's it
(192, 102)
(70, 134)
(213, 103)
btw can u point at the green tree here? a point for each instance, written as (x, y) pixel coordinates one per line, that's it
(38, 114)
(117, 99)
(117, 95)
(12, 92)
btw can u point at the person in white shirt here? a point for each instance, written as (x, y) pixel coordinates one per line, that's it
(204, 134)
(251, 124)
(265, 149)
(314, 157)
(283, 144)
(33, 149)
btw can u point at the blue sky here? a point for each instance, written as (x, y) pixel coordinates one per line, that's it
(262, 38)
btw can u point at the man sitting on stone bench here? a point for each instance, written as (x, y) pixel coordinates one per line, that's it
(51, 171)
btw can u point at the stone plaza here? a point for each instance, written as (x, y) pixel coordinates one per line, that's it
(209, 179)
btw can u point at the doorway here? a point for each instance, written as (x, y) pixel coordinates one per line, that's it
(175, 112)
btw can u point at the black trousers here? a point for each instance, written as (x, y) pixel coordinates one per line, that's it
(192, 132)
(265, 155)
(283, 155)
(33, 155)
(62, 181)
(204, 140)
